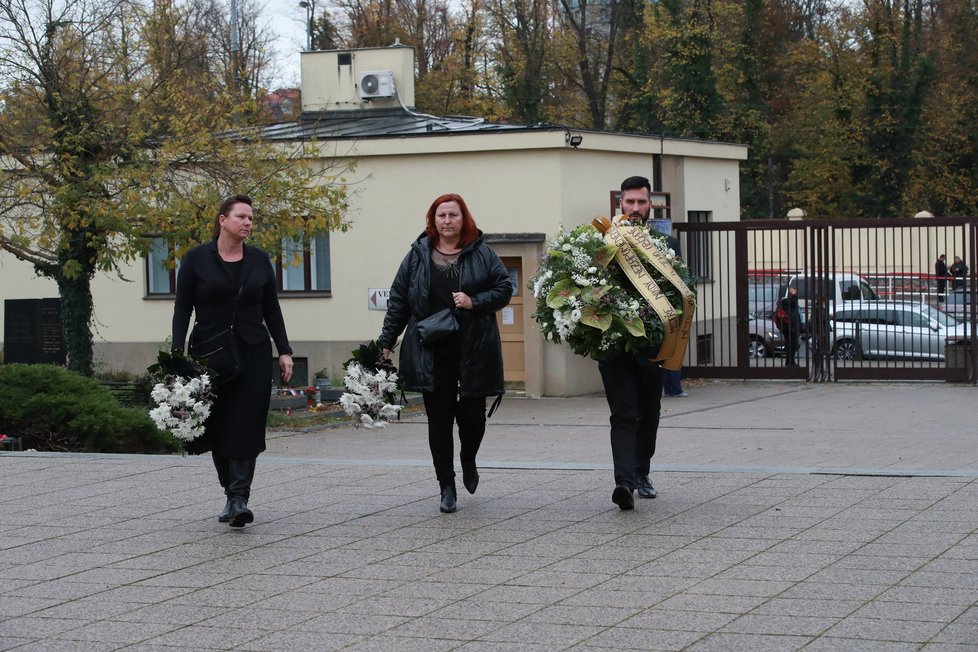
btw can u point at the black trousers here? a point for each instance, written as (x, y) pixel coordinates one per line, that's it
(792, 345)
(444, 408)
(634, 391)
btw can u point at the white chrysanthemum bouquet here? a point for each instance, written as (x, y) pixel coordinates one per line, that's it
(372, 384)
(183, 394)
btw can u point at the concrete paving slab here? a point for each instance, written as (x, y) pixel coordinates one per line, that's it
(790, 516)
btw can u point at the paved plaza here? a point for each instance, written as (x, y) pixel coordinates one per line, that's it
(790, 517)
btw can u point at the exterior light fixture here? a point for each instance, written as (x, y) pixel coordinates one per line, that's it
(310, 7)
(574, 140)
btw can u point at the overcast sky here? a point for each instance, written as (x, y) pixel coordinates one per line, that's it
(286, 20)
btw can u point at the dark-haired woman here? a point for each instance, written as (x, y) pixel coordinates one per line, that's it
(449, 266)
(225, 283)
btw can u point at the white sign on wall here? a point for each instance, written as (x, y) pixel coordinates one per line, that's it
(508, 316)
(377, 298)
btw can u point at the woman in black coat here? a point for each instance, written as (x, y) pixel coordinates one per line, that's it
(449, 266)
(226, 283)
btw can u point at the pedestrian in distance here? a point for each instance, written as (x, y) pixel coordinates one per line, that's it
(940, 271)
(450, 268)
(672, 384)
(633, 386)
(959, 271)
(819, 327)
(226, 282)
(792, 334)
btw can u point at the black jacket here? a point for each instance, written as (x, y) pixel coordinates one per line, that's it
(790, 305)
(204, 287)
(483, 277)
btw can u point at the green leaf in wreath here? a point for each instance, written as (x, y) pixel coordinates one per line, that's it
(634, 326)
(594, 319)
(592, 295)
(562, 290)
(605, 254)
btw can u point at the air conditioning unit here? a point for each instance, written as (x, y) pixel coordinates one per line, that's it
(379, 83)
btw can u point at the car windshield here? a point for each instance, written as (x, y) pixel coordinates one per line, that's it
(944, 319)
(761, 297)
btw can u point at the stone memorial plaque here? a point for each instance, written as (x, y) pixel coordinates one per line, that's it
(32, 331)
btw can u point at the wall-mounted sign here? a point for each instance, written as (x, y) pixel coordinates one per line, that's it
(377, 298)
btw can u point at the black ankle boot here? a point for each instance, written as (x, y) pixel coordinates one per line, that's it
(470, 477)
(240, 474)
(240, 514)
(225, 514)
(448, 497)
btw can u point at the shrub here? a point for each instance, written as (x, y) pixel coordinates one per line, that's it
(53, 409)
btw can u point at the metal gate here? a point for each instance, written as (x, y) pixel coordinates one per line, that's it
(891, 311)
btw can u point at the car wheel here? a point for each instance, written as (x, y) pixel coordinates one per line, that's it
(756, 348)
(845, 350)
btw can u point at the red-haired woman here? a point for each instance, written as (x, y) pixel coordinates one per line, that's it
(449, 266)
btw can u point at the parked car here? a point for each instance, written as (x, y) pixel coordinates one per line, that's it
(957, 303)
(761, 299)
(764, 340)
(838, 287)
(892, 329)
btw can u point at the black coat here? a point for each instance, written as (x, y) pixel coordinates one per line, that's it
(204, 287)
(790, 305)
(482, 277)
(236, 426)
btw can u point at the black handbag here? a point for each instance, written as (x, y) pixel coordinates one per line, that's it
(438, 326)
(220, 352)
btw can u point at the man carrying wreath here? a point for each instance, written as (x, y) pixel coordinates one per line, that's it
(633, 384)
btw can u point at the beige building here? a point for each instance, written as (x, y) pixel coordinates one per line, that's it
(521, 183)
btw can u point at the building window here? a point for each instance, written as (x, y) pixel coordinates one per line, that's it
(699, 257)
(704, 349)
(160, 279)
(304, 264)
(302, 267)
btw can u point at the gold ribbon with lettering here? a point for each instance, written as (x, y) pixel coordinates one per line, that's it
(630, 239)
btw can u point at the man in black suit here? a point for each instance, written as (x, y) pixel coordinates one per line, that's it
(633, 386)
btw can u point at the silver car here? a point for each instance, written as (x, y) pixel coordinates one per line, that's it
(957, 303)
(763, 339)
(893, 329)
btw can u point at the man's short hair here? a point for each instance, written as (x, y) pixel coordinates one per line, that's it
(631, 183)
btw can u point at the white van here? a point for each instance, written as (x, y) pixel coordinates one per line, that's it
(837, 286)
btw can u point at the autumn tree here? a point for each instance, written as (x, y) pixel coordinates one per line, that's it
(943, 177)
(591, 31)
(522, 50)
(110, 133)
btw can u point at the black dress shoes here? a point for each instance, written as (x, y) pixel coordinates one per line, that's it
(645, 488)
(240, 514)
(448, 498)
(622, 496)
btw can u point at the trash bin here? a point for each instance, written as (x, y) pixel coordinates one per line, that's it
(959, 358)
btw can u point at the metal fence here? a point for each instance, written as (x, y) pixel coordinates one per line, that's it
(745, 267)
